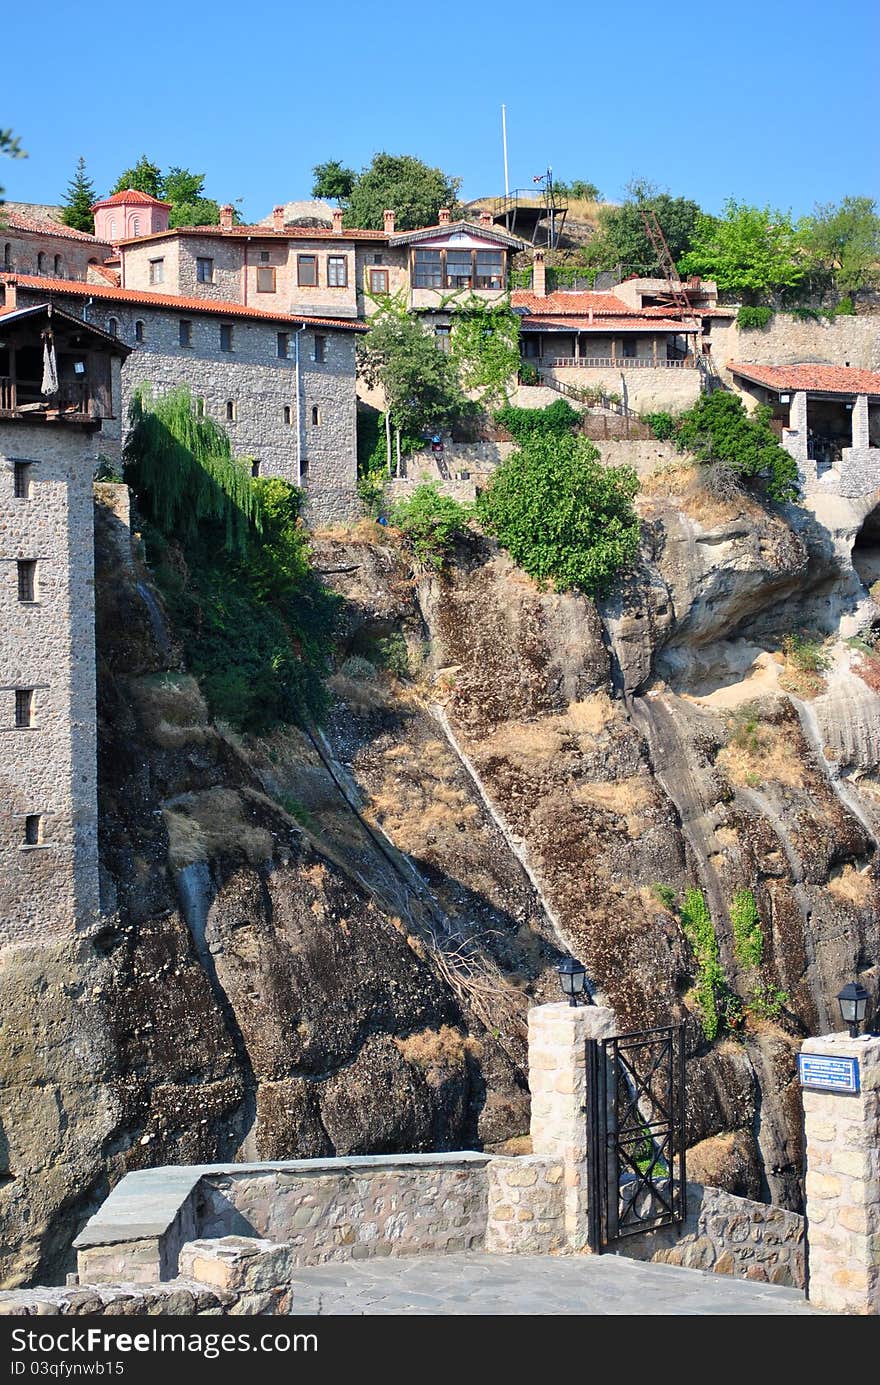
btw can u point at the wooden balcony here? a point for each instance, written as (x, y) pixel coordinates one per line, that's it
(77, 401)
(619, 363)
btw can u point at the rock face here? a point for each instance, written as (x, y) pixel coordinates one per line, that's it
(326, 941)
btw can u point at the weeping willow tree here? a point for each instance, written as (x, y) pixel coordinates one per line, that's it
(182, 468)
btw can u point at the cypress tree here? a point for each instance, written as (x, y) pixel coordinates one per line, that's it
(80, 195)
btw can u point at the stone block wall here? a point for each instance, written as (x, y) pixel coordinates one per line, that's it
(177, 1298)
(859, 471)
(842, 1134)
(729, 1235)
(644, 390)
(786, 340)
(49, 768)
(526, 1212)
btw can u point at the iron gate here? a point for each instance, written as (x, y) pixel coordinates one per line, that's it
(635, 1117)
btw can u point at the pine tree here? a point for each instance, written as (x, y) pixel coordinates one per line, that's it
(77, 205)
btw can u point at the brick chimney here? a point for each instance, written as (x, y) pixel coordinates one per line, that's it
(388, 217)
(444, 217)
(485, 217)
(10, 298)
(539, 275)
(226, 218)
(337, 221)
(277, 218)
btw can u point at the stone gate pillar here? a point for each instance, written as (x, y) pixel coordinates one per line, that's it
(842, 1132)
(558, 1082)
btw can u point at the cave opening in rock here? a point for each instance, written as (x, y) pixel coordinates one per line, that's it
(866, 549)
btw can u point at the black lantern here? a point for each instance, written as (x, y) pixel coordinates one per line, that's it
(573, 978)
(853, 1002)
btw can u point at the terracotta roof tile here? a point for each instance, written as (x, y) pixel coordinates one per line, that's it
(823, 379)
(572, 304)
(16, 222)
(130, 197)
(601, 323)
(261, 233)
(75, 289)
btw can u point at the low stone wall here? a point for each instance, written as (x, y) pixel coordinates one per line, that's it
(179, 1297)
(349, 1209)
(324, 1209)
(526, 1206)
(859, 471)
(644, 390)
(730, 1235)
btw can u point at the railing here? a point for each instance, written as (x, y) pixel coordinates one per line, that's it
(74, 400)
(594, 399)
(7, 395)
(619, 363)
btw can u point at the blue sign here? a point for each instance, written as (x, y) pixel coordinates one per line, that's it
(820, 1072)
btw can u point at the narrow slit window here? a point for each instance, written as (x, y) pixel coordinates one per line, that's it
(33, 829)
(139, 331)
(113, 326)
(200, 408)
(320, 349)
(287, 414)
(27, 579)
(22, 480)
(230, 411)
(283, 346)
(226, 336)
(316, 416)
(255, 469)
(24, 707)
(185, 332)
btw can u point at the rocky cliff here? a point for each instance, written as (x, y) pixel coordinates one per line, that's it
(326, 940)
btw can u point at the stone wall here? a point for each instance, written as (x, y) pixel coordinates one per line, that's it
(729, 1235)
(859, 471)
(177, 1298)
(853, 341)
(63, 256)
(48, 768)
(261, 386)
(643, 390)
(526, 1213)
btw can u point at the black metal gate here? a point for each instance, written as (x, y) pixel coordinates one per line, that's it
(636, 1133)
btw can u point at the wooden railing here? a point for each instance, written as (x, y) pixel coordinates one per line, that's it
(74, 400)
(7, 395)
(619, 363)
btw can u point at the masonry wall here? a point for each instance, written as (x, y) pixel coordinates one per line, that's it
(643, 389)
(260, 385)
(396, 261)
(853, 341)
(25, 248)
(49, 645)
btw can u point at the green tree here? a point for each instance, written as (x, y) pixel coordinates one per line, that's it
(10, 146)
(485, 349)
(418, 380)
(624, 240)
(76, 209)
(144, 176)
(333, 179)
(750, 251)
(431, 523)
(561, 514)
(844, 243)
(413, 189)
(185, 191)
(721, 434)
(583, 191)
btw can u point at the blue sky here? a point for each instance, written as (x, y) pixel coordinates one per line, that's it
(771, 101)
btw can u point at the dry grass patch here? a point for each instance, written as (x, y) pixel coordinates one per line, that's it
(208, 824)
(439, 1053)
(172, 709)
(364, 530)
(757, 751)
(684, 483)
(852, 885)
(591, 715)
(626, 798)
(359, 694)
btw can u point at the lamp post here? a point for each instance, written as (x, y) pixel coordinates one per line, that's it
(853, 1002)
(572, 978)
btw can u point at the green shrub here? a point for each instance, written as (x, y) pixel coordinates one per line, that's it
(555, 420)
(719, 432)
(665, 894)
(528, 373)
(806, 654)
(430, 523)
(710, 985)
(358, 668)
(662, 425)
(767, 1001)
(752, 318)
(746, 730)
(392, 653)
(844, 308)
(561, 514)
(748, 935)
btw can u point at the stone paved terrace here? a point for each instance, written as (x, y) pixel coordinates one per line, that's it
(493, 1285)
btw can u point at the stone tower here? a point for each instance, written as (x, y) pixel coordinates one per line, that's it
(59, 410)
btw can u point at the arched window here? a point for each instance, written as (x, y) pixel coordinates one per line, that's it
(113, 326)
(316, 415)
(7, 256)
(57, 266)
(41, 262)
(139, 331)
(230, 410)
(136, 226)
(200, 408)
(111, 227)
(287, 413)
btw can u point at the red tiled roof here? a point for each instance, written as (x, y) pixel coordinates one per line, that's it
(101, 274)
(601, 324)
(130, 197)
(822, 379)
(74, 289)
(572, 304)
(260, 233)
(16, 222)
